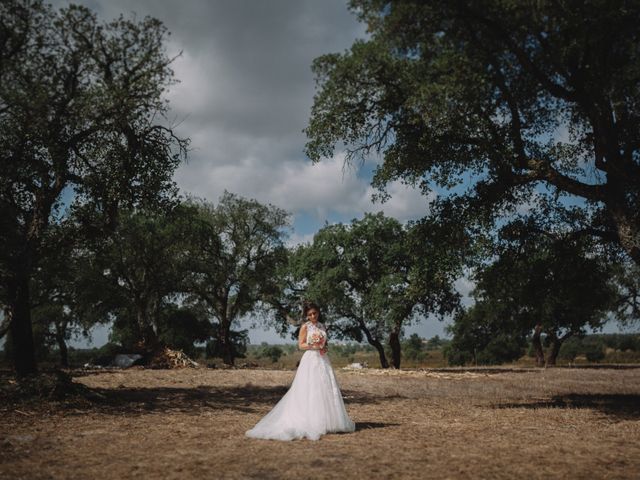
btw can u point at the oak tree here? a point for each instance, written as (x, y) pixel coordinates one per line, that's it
(500, 104)
(235, 268)
(81, 127)
(374, 276)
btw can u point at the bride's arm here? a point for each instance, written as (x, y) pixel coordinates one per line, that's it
(302, 338)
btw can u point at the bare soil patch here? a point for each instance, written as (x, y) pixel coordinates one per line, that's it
(190, 423)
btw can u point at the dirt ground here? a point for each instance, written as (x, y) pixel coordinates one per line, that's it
(190, 423)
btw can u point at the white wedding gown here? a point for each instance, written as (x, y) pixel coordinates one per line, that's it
(313, 405)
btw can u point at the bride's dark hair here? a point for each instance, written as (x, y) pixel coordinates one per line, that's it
(311, 306)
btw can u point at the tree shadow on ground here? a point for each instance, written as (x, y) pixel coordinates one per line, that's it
(57, 391)
(246, 399)
(195, 400)
(621, 406)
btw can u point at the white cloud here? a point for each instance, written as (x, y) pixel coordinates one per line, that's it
(293, 185)
(299, 186)
(406, 202)
(244, 95)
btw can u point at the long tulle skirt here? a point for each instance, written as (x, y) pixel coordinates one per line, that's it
(312, 407)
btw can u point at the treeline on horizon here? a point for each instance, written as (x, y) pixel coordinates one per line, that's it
(190, 274)
(417, 352)
(522, 117)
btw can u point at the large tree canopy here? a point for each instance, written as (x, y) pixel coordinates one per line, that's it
(375, 275)
(499, 99)
(137, 274)
(81, 107)
(235, 268)
(554, 285)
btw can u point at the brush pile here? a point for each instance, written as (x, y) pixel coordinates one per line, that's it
(167, 358)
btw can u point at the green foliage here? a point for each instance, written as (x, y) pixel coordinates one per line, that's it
(133, 275)
(237, 265)
(594, 352)
(570, 349)
(81, 116)
(622, 342)
(627, 305)
(436, 342)
(484, 335)
(45, 319)
(57, 290)
(180, 328)
(614, 347)
(346, 350)
(413, 348)
(374, 276)
(489, 102)
(289, 349)
(554, 282)
(125, 332)
(273, 352)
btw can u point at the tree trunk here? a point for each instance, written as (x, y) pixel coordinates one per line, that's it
(225, 343)
(537, 346)
(147, 333)
(553, 355)
(62, 345)
(383, 357)
(556, 344)
(375, 343)
(396, 350)
(64, 354)
(24, 358)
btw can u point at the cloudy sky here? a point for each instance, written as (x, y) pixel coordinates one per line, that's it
(244, 96)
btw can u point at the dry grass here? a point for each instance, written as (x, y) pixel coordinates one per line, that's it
(434, 359)
(181, 424)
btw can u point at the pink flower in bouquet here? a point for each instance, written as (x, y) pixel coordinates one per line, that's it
(317, 340)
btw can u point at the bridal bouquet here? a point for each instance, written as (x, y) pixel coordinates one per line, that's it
(318, 340)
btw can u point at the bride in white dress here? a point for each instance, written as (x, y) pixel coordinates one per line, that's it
(313, 405)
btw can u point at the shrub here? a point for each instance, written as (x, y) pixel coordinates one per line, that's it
(274, 352)
(594, 352)
(570, 349)
(412, 348)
